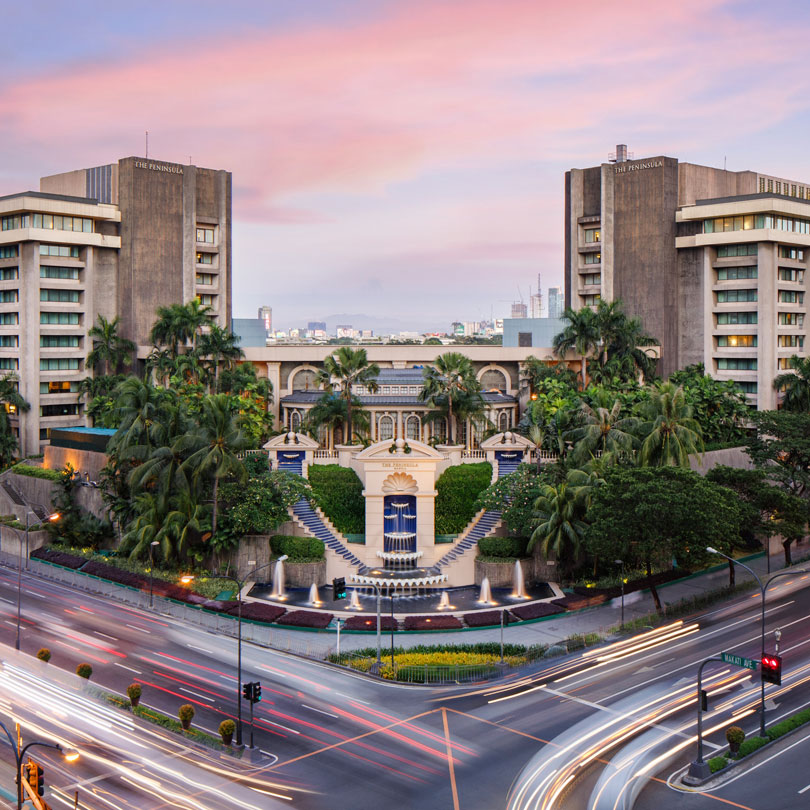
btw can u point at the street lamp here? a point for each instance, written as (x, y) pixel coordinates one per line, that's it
(762, 589)
(621, 563)
(69, 756)
(151, 576)
(50, 518)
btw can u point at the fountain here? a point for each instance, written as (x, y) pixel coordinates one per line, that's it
(485, 596)
(314, 598)
(354, 601)
(278, 581)
(444, 602)
(519, 582)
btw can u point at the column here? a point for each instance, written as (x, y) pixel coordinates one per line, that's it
(274, 376)
(398, 433)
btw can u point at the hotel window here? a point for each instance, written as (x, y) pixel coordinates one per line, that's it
(735, 296)
(205, 235)
(59, 341)
(60, 296)
(791, 319)
(592, 278)
(9, 319)
(55, 223)
(58, 387)
(9, 363)
(412, 428)
(208, 300)
(64, 409)
(729, 251)
(778, 187)
(791, 274)
(9, 341)
(59, 364)
(394, 389)
(59, 318)
(734, 273)
(746, 386)
(770, 186)
(733, 341)
(64, 251)
(503, 421)
(792, 189)
(205, 278)
(70, 273)
(13, 223)
(737, 364)
(9, 296)
(761, 185)
(593, 258)
(591, 300)
(385, 428)
(791, 341)
(205, 258)
(786, 252)
(784, 363)
(9, 252)
(593, 235)
(9, 274)
(732, 318)
(790, 297)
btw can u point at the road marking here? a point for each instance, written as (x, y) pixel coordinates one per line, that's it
(291, 730)
(450, 763)
(320, 711)
(33, 593)
(86, 610)
(99, 633)
(138, 628)
(201, 649)
(124, 666)
(804, 789)
(196, 694)
(3, 599)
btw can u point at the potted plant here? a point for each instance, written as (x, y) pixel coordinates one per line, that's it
(44, 655)
(226, 730)
(735, 736)
(186, 714)
(84, 671)
(134, 694)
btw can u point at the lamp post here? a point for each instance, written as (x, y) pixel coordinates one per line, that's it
(393, 628)
(50, 518)
(762, 589)
(151, 566)
(699, 769)
(70, 756)
(621, 563)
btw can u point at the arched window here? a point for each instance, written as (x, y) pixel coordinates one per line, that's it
(295, 421)
(304, 380)
(412, 427)
(493, 380)
(461, 431)
(440, 430)
(503, 421)
(385, 428)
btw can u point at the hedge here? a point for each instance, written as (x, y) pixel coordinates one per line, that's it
(110, 572)
(752, 744)
(536, 610)
(58, 557)
(37, 472)
(432, 623)
(258, 611)
(512, 547)
(486, 618)
(368, 622)
(305, 618)
(717, 764)
(457, 490)
(297, 548)
(338, 492)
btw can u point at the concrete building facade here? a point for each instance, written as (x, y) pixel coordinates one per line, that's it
(115, 240)
(712, 261)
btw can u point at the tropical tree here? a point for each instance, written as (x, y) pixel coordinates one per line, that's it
(535, 372)
(219, 349)
(671, 433)
(141, 409)
(110, 351)
(177, 324)
(796, 385)
(330, 412)
(580, 335)
(604, 431)
(10, 400)
(561, 510)
(450, 386)
(343, 370)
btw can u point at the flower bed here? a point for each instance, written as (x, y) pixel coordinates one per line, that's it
(258, 611)
(113, 574)
(536, 610)
(370, 623)
(633, 585)
(573, 602)
(58, 557)
(432, 623)
(220, 606)
(305, 618)
(486, 618)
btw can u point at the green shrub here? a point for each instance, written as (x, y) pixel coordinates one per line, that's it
(44, 655)
(734, 736)
(186, 714)
(84, 671)
(134, 693)
(511, 547)
(297, 548)
(226, 730)
(752, 744)
(339, 493)
(37, 472)
(457, 490)
(717, 764)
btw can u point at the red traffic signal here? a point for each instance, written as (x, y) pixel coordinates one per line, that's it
(772, 668)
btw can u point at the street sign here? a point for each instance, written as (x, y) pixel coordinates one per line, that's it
(739, 661)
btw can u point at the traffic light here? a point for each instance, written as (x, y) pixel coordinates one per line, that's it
(35, 777)
(247, 691)
(338, 588)
(257, 692)
(772, 668)
(704, 700)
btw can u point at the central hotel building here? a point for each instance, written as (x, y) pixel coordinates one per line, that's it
(713, 262)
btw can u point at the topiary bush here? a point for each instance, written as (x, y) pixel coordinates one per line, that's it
(457, 491)
(734, 736)
(186, 715)
(298, 549)
(226, 730)
(508, 547)
(339, 493)
(44, 655)
(134, 694)
(84, 671)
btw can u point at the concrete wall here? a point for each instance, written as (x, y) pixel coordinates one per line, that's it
(253, 552)
(57, 458)
(302, 575)
(12, 539)
(730, 457)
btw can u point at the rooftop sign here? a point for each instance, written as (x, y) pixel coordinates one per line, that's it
(623, 168)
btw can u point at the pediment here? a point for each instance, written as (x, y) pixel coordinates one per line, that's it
(291, 441)
(507, 441)
(383, 451)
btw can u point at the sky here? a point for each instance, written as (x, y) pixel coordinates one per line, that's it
(400, 157)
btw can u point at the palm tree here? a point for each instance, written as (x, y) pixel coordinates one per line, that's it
(625, 347)
(671, 431)
(344, 369)
(170, 328)
(330, 412)
(215, 445)
(561, 509)
(580, 335)
(221, 348)
(796, 385)
(195, 315)
(110, 350)
(450, 384)
(141, 409)
(604, 431)
(161, 364)
(10, 397)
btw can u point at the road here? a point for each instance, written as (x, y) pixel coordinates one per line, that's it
(334, 737)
